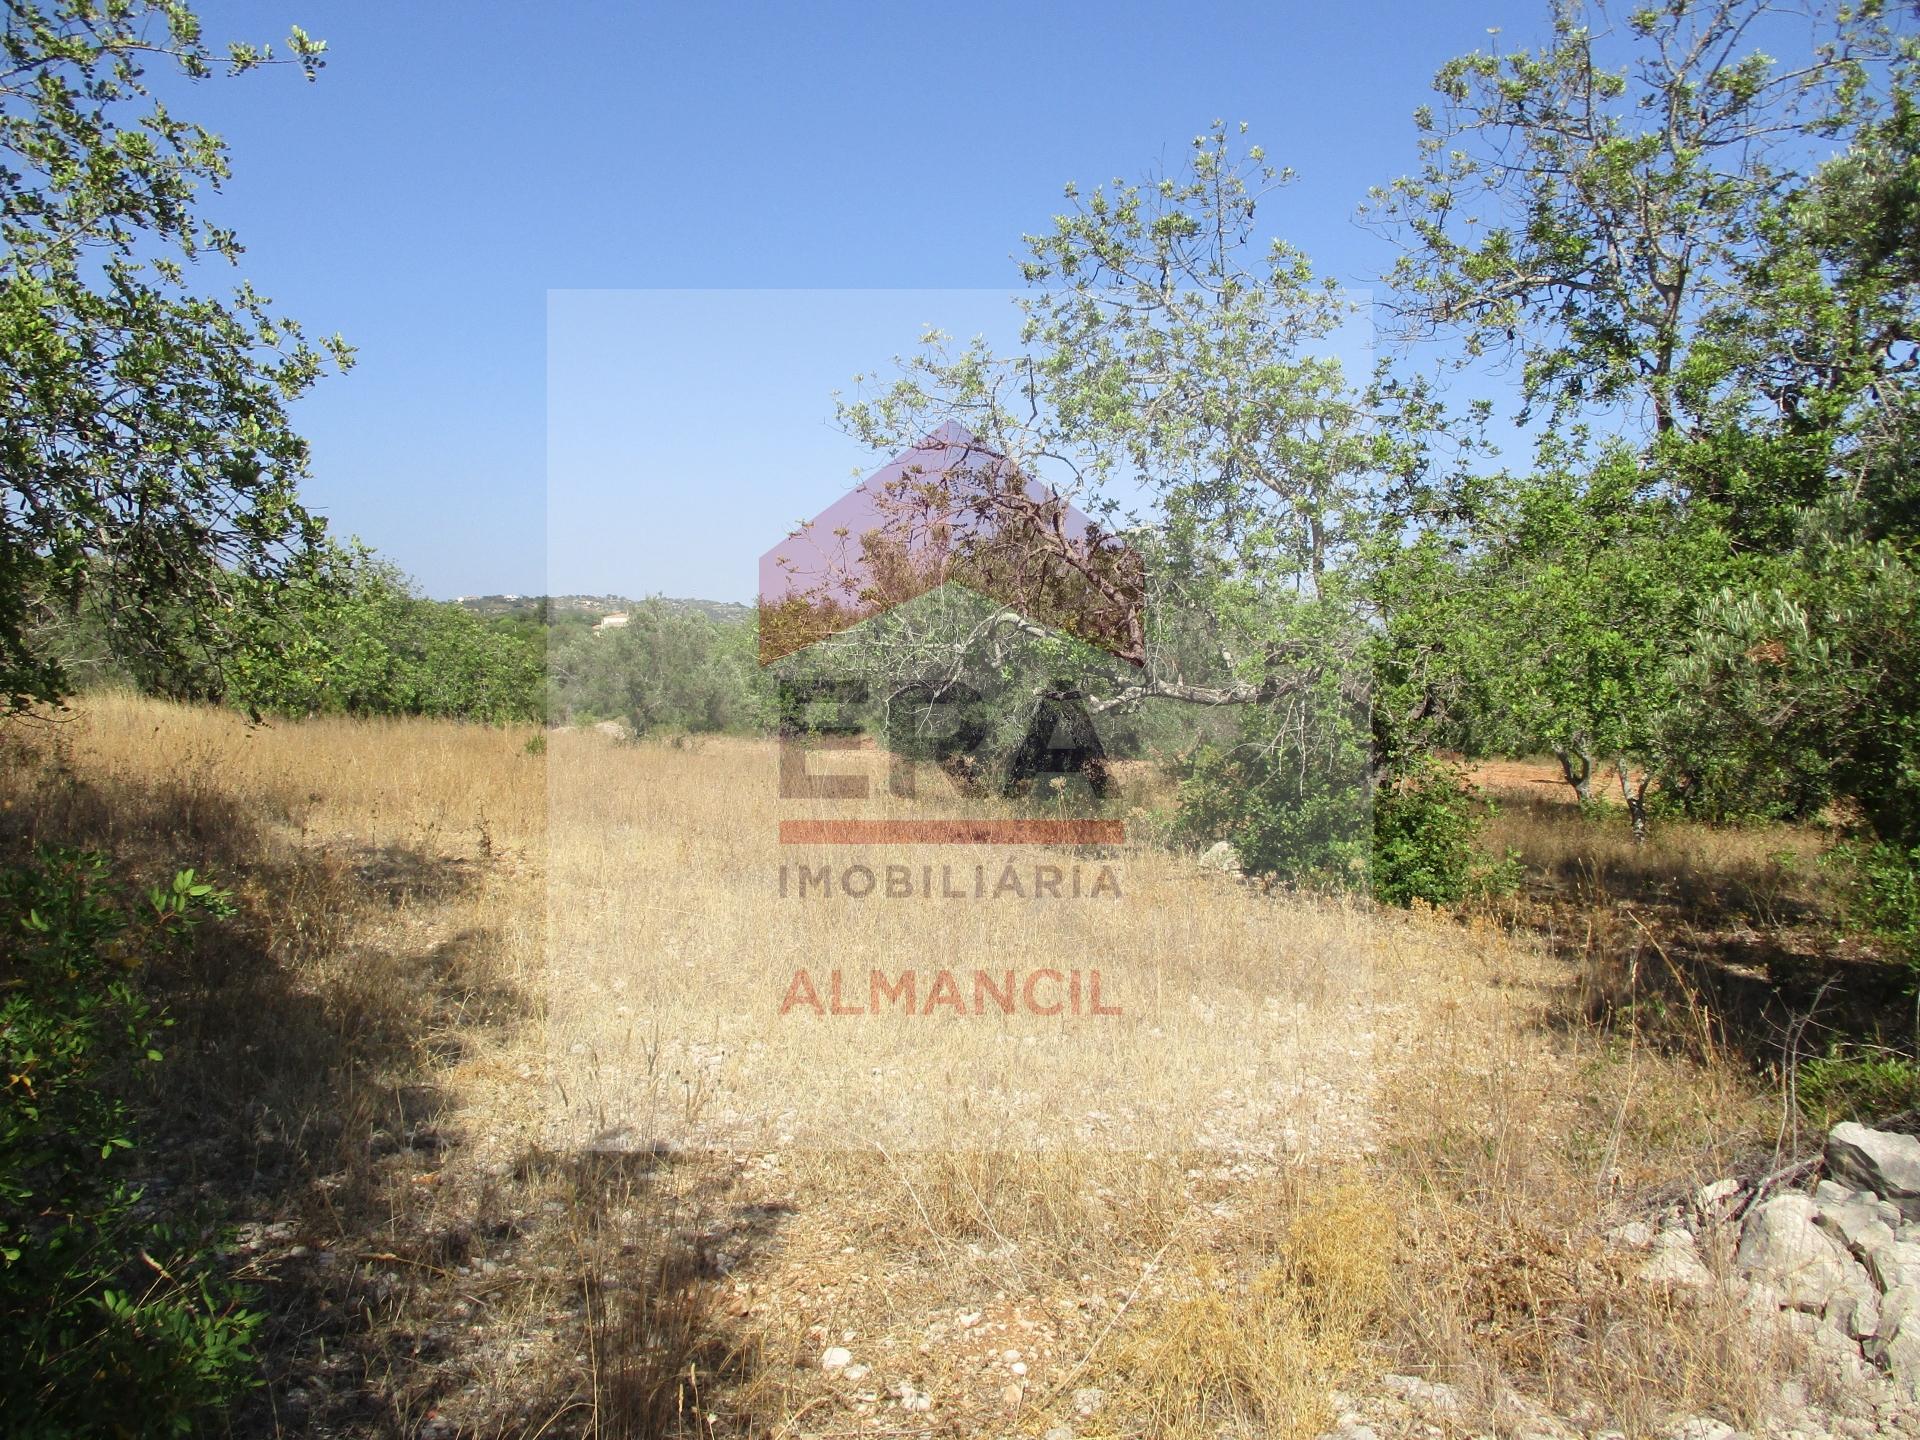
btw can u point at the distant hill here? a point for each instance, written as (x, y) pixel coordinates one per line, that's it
(598, 605)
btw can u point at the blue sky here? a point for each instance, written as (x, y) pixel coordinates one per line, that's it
(453, 166)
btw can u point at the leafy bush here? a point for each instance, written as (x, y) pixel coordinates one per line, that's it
(112, 1320)
(1805, 683)
(1414, 837)
(1300, 823)
(1880, 894)
(350, 636)
(1426, 829)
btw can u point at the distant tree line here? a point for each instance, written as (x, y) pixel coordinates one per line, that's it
(340, 632)
(665, 670)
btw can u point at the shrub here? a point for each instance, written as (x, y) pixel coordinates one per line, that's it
(1880, 894)
(664, 671)
(1311, 816)
(349, 635)
(112, 1321)
(1292, 822)
(1426, 830)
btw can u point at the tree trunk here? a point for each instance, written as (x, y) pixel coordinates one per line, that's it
(1636, 798)
(1580, 777)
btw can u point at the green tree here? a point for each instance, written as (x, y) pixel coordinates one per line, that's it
(343, 632)
(1172, 381)
(1585, 593)
(1716, 323)
(1806, 680)
(662, 671)
(1584, 206)
(149, 464)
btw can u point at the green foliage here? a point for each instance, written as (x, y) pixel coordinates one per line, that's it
(1880, 894)
(1426, 829)
(1293, 825)
(1589, 206)
(1806, 680)
(345, 634)
(1586, 588)
(1627, 211)
(113, 1321)
(1855, 1083)
(1171, 362)
(663, 671)
(146, 454)
(1414, 837)
(1290, 794)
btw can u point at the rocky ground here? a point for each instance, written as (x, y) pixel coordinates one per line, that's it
(1835, 1267)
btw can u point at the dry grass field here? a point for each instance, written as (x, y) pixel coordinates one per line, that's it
(1735, 922)
(492, 1074)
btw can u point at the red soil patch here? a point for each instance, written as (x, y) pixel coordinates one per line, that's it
(1541, 779)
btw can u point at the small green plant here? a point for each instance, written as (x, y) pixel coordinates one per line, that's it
(1880, 895)
(1298, 824)
(112, 1321)
(1858, 1083)
(1426, 830)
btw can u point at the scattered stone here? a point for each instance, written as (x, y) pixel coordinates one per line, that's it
(1899, 1330)
(624, 1142)
(1221, 857)
(1634, 1235)
(1701, 1427)
(1783, 1247)
(1714, 1201)
(1855, 1313)
(1676, 1262)
(1011, 1395)
(857, 1373)
(1896, 1266)
(1855, 1223)
(1430, 1393)
(836, 1357)
(1829, 1336)
(1901, 1355)
(1880, 1161)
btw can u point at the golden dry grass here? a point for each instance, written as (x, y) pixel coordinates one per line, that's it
(675, 951)
(1767, 872)
(1320, 1143)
